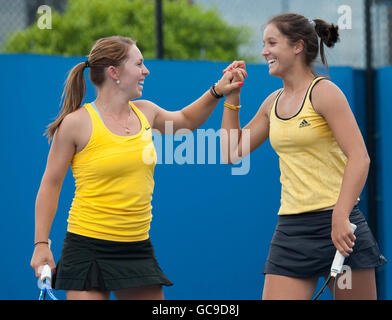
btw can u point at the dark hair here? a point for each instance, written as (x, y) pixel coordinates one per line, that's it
(110, 51)
(297, 27)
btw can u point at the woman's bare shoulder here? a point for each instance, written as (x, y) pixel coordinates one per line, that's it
(77, 127)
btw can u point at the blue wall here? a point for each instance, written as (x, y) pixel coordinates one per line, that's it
(211, 230)
(384, 171)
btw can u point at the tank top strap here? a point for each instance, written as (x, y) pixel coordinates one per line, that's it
(93, 111)
(98, 126)
(96, 121)
(273, 112)
(143, 120)
(309, 92)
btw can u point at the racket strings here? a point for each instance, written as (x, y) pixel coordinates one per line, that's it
(335, 278)
(46, 290)
(322, 288)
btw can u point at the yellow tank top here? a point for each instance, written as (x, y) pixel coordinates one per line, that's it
(311, 162)
(114, 183)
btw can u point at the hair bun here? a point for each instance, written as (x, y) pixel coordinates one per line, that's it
(329, 33)
(333, 36)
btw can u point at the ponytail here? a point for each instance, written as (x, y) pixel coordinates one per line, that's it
(328, 34)
(73, 94)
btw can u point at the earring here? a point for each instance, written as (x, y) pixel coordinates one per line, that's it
(118, 81)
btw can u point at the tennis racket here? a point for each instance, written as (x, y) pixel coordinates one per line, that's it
(336, 269)
(45, 281)
(45, 284)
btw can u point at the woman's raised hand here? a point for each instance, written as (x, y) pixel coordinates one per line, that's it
(233, 78)
(236, 64)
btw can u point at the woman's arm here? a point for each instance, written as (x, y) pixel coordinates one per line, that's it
(194, 115)
(330, 102)
(257, 130)
(60, 155)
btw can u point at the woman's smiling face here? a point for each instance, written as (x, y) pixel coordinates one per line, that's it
(278, 51)
(133, 73)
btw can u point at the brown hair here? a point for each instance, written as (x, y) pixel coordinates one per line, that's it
(110, 51)
(297, 27)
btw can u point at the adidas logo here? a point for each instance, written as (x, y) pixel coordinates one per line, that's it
(304, 123)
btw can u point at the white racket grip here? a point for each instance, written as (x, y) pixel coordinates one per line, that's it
(338, 261)
(46, 274)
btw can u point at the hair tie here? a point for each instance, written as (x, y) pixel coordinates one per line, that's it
(312, 22)
(86, 64)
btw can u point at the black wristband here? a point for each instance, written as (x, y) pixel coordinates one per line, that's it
(213, 92)
(39, 242)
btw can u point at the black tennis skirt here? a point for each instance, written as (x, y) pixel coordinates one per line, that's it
(88, 263)
(302, 246)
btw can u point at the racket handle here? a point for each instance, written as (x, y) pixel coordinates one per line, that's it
(338, 261)
(46, 275)
(46, 272)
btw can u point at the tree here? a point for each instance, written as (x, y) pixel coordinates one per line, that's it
(190, 32)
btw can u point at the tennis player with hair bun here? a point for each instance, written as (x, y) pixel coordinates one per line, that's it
(107, 246)
(323, 162)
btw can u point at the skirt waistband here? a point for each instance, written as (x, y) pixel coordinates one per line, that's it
(315, 217)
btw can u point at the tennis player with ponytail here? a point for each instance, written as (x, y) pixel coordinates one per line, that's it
(107, 246)
(323, 162)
